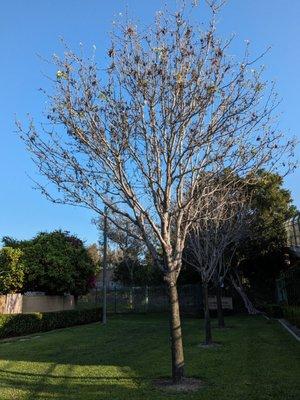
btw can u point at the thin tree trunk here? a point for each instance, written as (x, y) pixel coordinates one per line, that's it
(221, 322)
(130, 297)
(131, 284)
(239, 288)
(176, 336)
(208, 334)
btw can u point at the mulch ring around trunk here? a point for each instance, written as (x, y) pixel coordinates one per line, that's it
(213, 345)
(184, 386)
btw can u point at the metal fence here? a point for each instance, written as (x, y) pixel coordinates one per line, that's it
(288, 287)
(145, 299)
(293, 231)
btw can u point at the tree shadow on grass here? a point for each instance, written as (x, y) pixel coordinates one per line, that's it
(116, 361)
(121, 360)
(50, 380)
(66, 387)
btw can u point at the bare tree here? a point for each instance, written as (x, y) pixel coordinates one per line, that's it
(236, 227)
(170, 105)
(221, 219)
(128, 240)
(131, 247)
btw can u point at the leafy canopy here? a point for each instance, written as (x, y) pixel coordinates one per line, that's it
(11, 270)
(56, 263)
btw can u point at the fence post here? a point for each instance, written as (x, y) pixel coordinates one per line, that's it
(146, 298)
(115, 299)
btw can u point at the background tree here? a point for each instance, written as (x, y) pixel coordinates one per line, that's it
(94, 253)
(261, 256)
(132, 249)
(171, 106)
(55, 263)
(143, 273)
(131, 246)
(11, 270)
(220, 221)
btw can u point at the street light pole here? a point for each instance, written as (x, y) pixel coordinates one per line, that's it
(104, 266)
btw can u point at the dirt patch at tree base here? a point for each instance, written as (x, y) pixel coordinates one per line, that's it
(186, 385)
(212, 345)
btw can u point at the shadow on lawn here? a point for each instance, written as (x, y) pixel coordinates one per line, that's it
(45, 386)
(116, 361)
(70, 382)
(126, 341)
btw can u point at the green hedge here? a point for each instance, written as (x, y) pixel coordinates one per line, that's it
(23, 324)
(292, 314)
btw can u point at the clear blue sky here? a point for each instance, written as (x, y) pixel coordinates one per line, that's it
(32, 27)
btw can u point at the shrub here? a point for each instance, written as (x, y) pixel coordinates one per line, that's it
(55, 263)
(11, 270)
(292, 314)
(23, 324)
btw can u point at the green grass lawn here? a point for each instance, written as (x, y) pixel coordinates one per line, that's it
(257, 360)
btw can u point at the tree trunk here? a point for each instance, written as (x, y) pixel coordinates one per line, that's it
(239, 288)
(221, 322)
(176, 336)
(208, 335)
(131, 285)
(131, 297)
(76, 299)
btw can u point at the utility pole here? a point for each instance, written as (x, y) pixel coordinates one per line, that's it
(104, 266)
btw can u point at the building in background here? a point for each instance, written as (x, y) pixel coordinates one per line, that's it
(293, 236)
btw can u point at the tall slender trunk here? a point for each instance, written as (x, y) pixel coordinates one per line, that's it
(130, 297)
(239, 288)
(208, 335)
(221, 322)
(131, 284)
(176, 335)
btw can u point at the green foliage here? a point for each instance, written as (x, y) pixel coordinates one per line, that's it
(272, 207)
(56, 263)
(292, 314)
(23, 324)
(135, 273)
(11, 270)
(263, 250)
